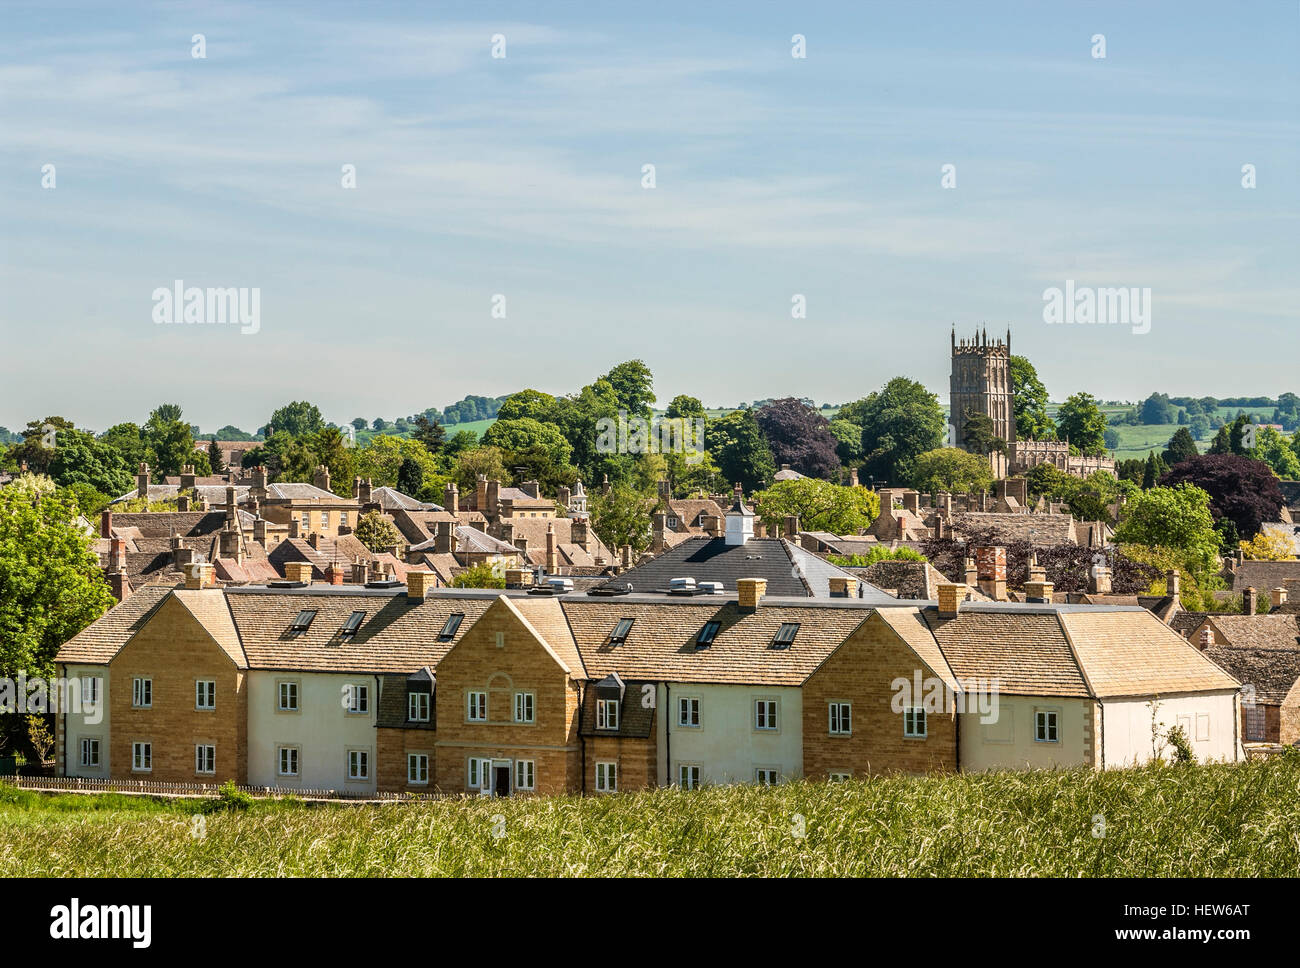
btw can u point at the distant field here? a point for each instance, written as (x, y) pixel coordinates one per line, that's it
(1225, 821)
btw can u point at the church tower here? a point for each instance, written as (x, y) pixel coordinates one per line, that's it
(981, 384)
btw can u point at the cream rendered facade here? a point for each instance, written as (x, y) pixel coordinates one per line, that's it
(78, 726)
(1209, 720)
(322, 731)
(1011, 742)
(726, 745)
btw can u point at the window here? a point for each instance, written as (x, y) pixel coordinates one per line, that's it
(688, 777)
(523, 774)
(306, 522)
(1045, 725)
(765, 714)
(288, 761)
(205, 694)
(358, 765)
(524, 707)
(479, 774)
(324, 520)
(839, 777)
(205, 759)
(707, 635)
(914, 722)
(450, 626)
(767, 777)
(357, 695)
(1202, 727)
(688, 712)
(619, 635)
(343, 519)
(607, 714)
(142, 757)
(142, 693)
(477, 707)
(841, 718)
(606, 777)
(90, 689)
(352, 624)
(670, 522)
(90, 752)
(1255, 724)
(303, 622)
(785, 635)
(289, 697)
(417, 768)
(417, 707)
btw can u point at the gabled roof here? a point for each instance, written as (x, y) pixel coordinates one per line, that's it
(209, 608)
(1272, 673)
(1279, 630)
(98, 642)
(1027, 652)
(391, 499)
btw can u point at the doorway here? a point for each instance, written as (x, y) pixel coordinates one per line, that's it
(501, 781)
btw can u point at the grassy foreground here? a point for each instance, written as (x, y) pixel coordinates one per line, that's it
(1241, 820)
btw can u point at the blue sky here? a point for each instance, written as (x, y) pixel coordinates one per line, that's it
(522, 176)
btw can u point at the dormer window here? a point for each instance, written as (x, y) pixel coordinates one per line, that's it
(352, 624)
(450, 627)
(303, 622)
(785, 635)
(671, 522)
(707, 635)
(607, 714)
(619, 635)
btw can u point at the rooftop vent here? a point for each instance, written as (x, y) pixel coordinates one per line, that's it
(384, 583)
(560, 584)
(710, 587)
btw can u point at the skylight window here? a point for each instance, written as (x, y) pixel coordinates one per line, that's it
(707, 634)
(785, 635)
(450, 626)
(352, 624)
(619, 635)
(303, 622)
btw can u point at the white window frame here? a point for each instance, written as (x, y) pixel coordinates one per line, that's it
(1202, 735)
(838, 777)
(478, 773)
(287, 756)
(606, 776)
(343, 519)
(1047, 726)
(142, 757)
(205, 694)
(205, 759)
(839, 718)
(358, 699)
(89, 746)
(689, 776)
(525, 775)
(324, 520)
(420, 763)
(291, 685)
(525, 707)
(768, 721)
(417, 706)
(476, 707)
(766, 776)
(688, 708)
(607, 714)
(142, 692)
(912, 715)
(358, 765)
(89, 693)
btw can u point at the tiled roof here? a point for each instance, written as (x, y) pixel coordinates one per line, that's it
(1272, 672)
(1264, 575)
(101, 640)
(1275, 631)
(1038, 529)
(546, 616)
(912, 628)
(209, 607)
(1027, 652)
(391, 499)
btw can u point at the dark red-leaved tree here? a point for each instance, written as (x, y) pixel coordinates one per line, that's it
(1241, 489)
(799, 436)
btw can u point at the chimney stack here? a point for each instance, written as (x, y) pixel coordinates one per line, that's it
(299, 571)
(519, 577)
(418, 583)
(1036, 571)
(188, 477)
(322, 477)
(142, 481)
(750, 590)
(843, 586)
(182, 502)
(360, 572)
(1206, 638)
(991, 568)
(792, 527)
(1172, 582)
(451, 498)
(1278, 597)
(334, 574)
(552, 553)
(106, 524)
(1249, 601)
(1099, 580)
(198, 574)
(1039, 592)
(951, 595)
(853, 477)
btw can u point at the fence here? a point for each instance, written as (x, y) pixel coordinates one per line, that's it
(79, 784)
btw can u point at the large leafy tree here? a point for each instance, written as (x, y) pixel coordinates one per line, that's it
(738, 447)
(50, 583)
(524, 433)
(1176, 517)
(977, 432)
(1278, 453)
(848, 441)
(528, 403)
(429, 432)
(1181, 446)
(1242, 490)
(820, 505)
(376, 531)
(81, 459)
(633, 385)
(170, 440)
(287, 458)
(1081, 421)
(475, 461)
(799, 436)
(622, 517)
(381, 460)
(298, 419)
(1032, 422)
(950, 469)
(899, 423)
(37, 448)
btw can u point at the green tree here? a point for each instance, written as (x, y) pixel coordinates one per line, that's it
(287, 459)
(820, 505)
(899, 423)
(1275, 451)
(950, 469)
(977, 433)
(40, 444)
(685, 407)
(485, 574)
(381, 459)
(79, 458)
(1081, 421)
(215, 461)
(430, 433)
(525, 432)
(1181, 446)
(1172, 517)
(410, 476)
(848, 442)
(170, 440)
(622, 517)
(297, 419)
(470, 464)
(330, 448)
(128, 440)
(1032, 422)
(376, 531)
(633, 385)
(533, 404)
(739, 449)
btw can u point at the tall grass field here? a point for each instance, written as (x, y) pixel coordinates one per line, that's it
(1224, 820)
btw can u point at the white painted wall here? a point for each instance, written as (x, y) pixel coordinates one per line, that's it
(322, 730)
(726, 745)
(80, 725)
(1010, 743)
(1209, 719)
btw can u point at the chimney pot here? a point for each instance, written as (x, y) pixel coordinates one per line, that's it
(1278, 597)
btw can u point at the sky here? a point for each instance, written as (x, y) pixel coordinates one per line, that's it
(522, 176)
